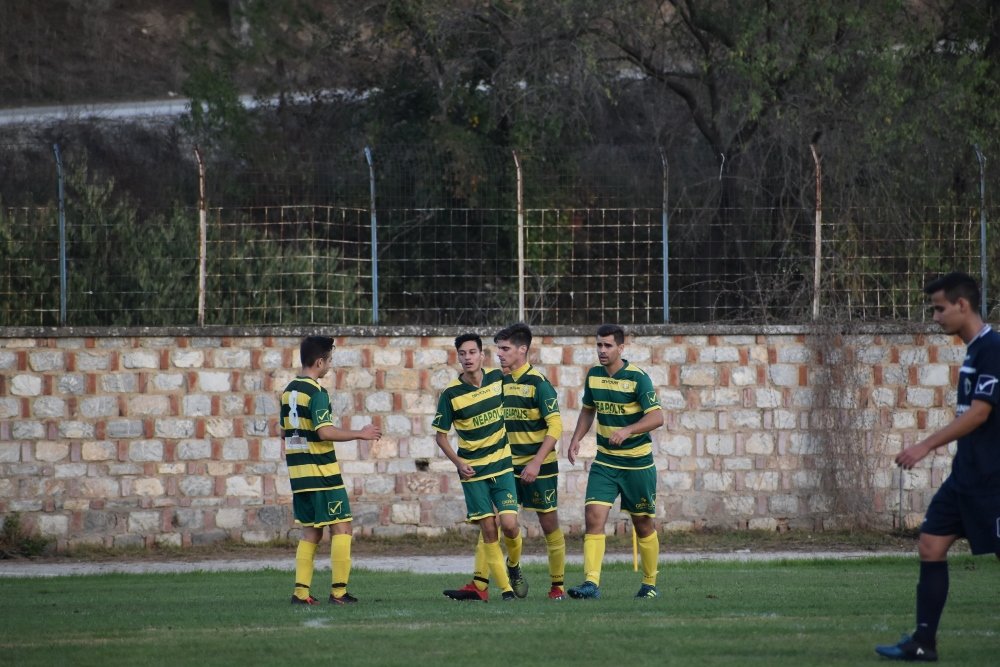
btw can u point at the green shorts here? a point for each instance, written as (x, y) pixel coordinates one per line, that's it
(321, 508)
(482, 495)
(542, 495)
(636, 487)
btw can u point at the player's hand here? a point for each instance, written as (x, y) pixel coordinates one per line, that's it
(465, 470)
(912, 455)
(574, 449)
(530, 472)
(371, 432)
(620, 436)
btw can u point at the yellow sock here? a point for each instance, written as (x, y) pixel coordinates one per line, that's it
(514, 548)
(555, 543)
(481, 574)
(649, 557)
(498, 568)
(304, 555)
(340, 564)
(593, 556)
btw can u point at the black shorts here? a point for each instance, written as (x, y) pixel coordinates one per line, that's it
(976, 518)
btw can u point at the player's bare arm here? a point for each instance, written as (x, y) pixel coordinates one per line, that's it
(966, 423)
(650, 421)
(334, 434)
(583, 425)
(464, 469)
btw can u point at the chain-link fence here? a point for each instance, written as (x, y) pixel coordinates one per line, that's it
(417, 235)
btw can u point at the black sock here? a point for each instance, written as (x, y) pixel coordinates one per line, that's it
(932, 592)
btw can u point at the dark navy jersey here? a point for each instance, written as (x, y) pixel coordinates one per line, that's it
(976, 467)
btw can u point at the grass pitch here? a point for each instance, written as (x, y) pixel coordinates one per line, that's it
(708, 613)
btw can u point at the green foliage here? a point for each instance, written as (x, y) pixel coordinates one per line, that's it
(17, 542)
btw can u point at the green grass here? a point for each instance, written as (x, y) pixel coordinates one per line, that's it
(708, 613)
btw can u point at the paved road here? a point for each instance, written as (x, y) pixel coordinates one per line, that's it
(417, 564)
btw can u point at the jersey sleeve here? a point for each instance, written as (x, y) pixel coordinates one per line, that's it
(646, 393)
(988, 377)
(588, 398)
(319, 408)
(443, 418)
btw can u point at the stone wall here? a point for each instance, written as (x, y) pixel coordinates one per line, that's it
(136, 437)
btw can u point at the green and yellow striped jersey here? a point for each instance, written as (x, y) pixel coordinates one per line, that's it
(477, 415)
(531, 411)
(312, 463)
(621, 400)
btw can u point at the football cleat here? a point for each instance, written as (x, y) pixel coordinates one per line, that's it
(517, 581)
(346, 598)
(586, 590)
(646, 591)
(468, 592)
(308, 601)
(908, 649)
(556, 593)
(506, 596)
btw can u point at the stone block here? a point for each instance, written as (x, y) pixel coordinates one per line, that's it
(699, 375)
(720, 444)
(235, 449)
(71, 383)
(10, 408)
(231, 358)
(759, 444)
(188, 450)
(43, 361)
(676, 444)
(147, 487)
(144, 522)
(148, 405)
(196, 485)
(214, 381)
(10, 452)
(119, 383)
(50, 452)
(196, 405)
(244, 486)
(230, 518)
(26, 385)
(141, 359)
(173, 428)
(27, 430)
(168, 381)
(145, 450)
(784, 375)
(48, 407)
(52, 525)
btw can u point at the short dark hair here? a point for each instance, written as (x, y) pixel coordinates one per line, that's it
(518, 334)
(466, 337)
(612, 330)
(956, 285)
(314, 348)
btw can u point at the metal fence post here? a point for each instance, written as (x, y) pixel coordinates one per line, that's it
(983, 308)
(202, 237)
(371, 187)
(62, 236)
(664, 216)
(818, 232)
(520, 238)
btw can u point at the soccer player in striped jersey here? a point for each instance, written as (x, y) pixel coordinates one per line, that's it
(319, 498)
(623, 399)
(473, 404)
(531, 415)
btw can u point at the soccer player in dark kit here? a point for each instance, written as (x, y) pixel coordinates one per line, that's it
(968, 502)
